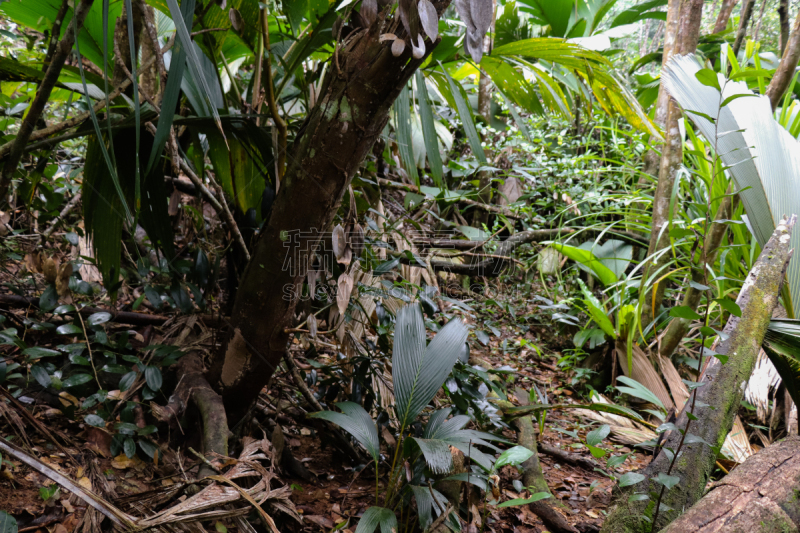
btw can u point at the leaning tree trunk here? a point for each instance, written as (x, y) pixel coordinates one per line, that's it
(744, 20)
(724, 15)
(714, 407)
(351, 112)
(691, 13)
(783, 76)
(760, 496)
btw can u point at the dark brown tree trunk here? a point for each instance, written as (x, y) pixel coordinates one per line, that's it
(121, 36)
(744, 20)
(724, 15)
(783, 76)
(760, 496)
(716, 402)
(783, 16)
(480, 217)
(351, 112)
(760, 19)
(688, 33)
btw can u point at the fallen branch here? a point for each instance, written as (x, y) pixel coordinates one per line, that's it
(477, 205)
(64, 212)
(567, 457)
(122, 317)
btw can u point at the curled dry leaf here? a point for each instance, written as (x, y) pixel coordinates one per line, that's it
(429, 19)
(409, 15)
(313, 275)
(345, 288)
(387, 37)
(236, 19)
(338, 242)
(312, 326)
(357, 240)
(50, 269)
(477, 16)
(398, 46)
(33, 262)
(418, 51)
(369, 11)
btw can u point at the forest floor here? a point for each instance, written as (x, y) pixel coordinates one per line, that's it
(334, 494)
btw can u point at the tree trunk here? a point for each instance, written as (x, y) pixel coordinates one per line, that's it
(783, 76)
(724, 15)
(688, 33)
(353, 108)
(691, 298)
(715, 403)
(122, 38)
(760, 19)
(744, 20)
(783, 16)
(652, 158)
(760, 496)
(485, 111)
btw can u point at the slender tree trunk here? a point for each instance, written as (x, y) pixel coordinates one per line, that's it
(724, 15)
(122, 37)
(691, 298)
(485, 111)
(716, 402)
(783, 16)
(352, 110)
(786, 70)
(652, 158)
(688, 33)
(760, 19)
(42, 96)
(760, 496)
(744, 20)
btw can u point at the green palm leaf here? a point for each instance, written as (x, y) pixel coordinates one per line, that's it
(761, 156)
(782, 345)
(356, 421)
(377, 516)
(426, 503)
(419, 372)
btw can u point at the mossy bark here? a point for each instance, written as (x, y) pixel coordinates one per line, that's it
(759, 496)
(716, 403)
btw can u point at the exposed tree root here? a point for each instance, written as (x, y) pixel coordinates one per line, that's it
(194, 387)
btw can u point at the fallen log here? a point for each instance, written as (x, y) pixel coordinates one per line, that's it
(709, 414)
(759, 496)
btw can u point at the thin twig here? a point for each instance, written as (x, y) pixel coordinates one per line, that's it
(266, 73)
(64, 212)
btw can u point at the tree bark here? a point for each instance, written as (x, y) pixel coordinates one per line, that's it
(744, 20)
(122, 38)
(724, 15)
(786, 70)
(688, 33)
(715, 403)
(485, 111)
(760, 19)
(652, 158)
(783, 17)
(351, 112)
(42, 96)
(760, 495)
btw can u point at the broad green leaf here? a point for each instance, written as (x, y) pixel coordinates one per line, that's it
(402, 123)
(761, 156)
(585, 257)
(597, 311)
(465, 114)
(631, 478)
(76, 379)
(98, 318)
(596, 436)
(94, 420)
(356, 421)
(69, 329)
(419, 371)
(152, 376)
(637, 390)
(429, 131)
(8, 524)
(682, 311)
(516, 502)
(40, 375)
(513, 456)
(512, 84)
(375, 517)
(667, 480)
(37, 352)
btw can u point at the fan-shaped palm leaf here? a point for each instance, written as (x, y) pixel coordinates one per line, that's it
(419, 372)
(356, 421)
